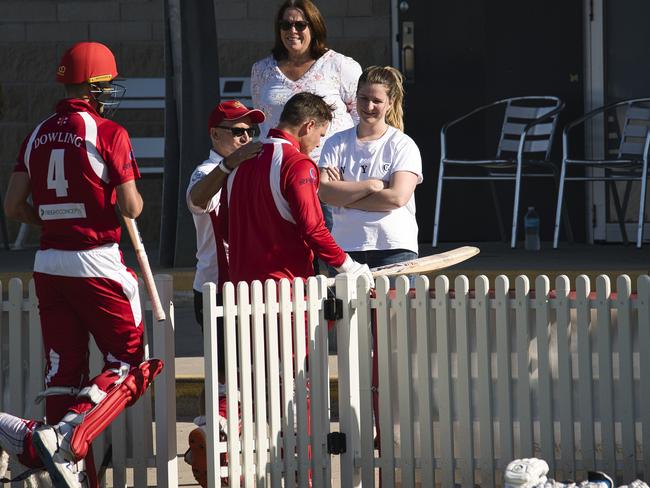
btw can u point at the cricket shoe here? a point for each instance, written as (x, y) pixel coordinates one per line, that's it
(59, 462)
(16, 448)
(196, 454)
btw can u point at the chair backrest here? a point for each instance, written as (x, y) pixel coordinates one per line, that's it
(635, 129)
(521, 111)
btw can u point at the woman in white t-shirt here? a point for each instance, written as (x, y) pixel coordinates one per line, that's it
(369, 174)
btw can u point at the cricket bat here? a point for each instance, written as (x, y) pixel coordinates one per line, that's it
(425, 264)
(145, 269)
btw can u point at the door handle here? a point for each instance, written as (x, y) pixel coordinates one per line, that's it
(408, 50)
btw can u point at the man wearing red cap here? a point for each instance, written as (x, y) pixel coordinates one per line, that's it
(231, 127)
(78, 165)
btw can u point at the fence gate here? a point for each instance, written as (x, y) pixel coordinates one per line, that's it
(468, 378)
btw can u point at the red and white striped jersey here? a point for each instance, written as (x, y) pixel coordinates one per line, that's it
(271, 215)
(75, 159)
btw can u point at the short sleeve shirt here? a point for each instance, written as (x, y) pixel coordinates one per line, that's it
(361, 230)
(75, 159)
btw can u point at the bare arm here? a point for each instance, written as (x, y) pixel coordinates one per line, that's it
(206, 188)
(334, 191)
(16, 205)
(401, 188)
(129, 199)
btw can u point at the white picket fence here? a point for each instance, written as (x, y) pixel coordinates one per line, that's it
(469, 379)
(137, 444)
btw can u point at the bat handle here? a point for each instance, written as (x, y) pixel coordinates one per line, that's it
(152, 292)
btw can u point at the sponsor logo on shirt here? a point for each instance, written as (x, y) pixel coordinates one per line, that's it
(62, 211)
(197, 175)
(310, 180)
(385, 166)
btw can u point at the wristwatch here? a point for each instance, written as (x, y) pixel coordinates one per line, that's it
(224, 167)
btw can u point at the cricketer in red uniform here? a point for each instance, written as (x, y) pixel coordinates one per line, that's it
(273, 222)
(77, 165)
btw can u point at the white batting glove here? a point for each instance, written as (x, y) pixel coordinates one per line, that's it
(525, 473)
(355, 269)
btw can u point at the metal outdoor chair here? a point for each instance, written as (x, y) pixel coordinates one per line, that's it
(629, 162)
(523, 150)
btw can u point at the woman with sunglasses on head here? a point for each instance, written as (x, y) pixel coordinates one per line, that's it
(369, 173)
(301, 61)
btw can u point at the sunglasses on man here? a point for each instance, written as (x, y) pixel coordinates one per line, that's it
(300, 25)
(240, 131)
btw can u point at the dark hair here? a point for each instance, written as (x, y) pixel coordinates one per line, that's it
(318, 45)
(393, 80)
(304, 106)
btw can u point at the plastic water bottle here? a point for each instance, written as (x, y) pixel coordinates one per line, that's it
(531, 225)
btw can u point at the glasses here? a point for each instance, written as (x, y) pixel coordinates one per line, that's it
(240, 131)
(300, 25)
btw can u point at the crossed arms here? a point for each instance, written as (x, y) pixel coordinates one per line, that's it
(370, 195)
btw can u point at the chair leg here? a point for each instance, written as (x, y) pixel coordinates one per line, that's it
(620, 215)
(3, 225)
(436, 216)
(644, 181)
(558, 210)
(497, 206)
(515, 207)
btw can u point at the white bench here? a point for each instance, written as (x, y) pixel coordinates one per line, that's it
(149, 94)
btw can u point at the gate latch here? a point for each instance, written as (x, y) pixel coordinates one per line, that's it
(336, 443)
(333, 308)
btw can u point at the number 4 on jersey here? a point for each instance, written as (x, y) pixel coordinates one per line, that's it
(56, 175)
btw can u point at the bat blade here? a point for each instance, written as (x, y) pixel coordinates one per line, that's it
(427, 263)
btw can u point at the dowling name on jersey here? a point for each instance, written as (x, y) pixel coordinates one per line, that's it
(64, 137)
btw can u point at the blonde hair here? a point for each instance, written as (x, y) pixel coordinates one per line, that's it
(393, 80)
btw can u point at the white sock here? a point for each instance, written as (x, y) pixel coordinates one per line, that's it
(12, 433)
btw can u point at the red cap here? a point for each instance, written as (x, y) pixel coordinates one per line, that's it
(86, 62)
(233, 110)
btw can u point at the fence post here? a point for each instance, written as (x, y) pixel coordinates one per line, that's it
(16, 391)
(585, 373)
(544, 382)
(273, 386)
(442, 311)
(165, 398)
(364, 311)
(211, 381)
(260, 390)
(349, 402)
(463, 395)
(626, 374)
(484, 380)
(504, 369)
(605, 374)
(35, 379)
(643, 301)
(565, 375)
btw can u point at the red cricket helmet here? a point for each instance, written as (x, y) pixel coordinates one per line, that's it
(86, 62)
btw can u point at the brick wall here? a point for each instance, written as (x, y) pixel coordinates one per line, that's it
(34, 34)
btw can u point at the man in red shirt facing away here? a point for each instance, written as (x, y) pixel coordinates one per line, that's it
(273, 219)
(78, 166)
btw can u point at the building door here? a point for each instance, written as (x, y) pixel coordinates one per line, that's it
(459, 55)
(627, 75)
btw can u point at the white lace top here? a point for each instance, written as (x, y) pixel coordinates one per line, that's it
(332, 76)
